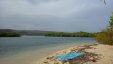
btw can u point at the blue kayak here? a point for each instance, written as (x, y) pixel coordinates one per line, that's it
(68, 56)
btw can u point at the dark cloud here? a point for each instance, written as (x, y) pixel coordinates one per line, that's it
(55, 15)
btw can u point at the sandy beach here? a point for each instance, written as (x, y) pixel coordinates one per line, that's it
(104, 54)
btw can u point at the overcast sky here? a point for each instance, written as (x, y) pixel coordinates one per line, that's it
(55, 15)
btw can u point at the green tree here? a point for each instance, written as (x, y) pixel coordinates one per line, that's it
(106, 36)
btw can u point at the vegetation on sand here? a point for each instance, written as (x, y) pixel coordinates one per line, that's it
(106, 36)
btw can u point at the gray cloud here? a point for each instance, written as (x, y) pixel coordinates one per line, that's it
(55, 15)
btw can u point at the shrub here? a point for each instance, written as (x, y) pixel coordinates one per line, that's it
(105, 37)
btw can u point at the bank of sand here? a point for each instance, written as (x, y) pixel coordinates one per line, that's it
(105, 54)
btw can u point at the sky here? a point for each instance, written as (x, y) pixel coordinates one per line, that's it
(55, 15)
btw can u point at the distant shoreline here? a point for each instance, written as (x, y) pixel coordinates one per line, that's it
(50, 33)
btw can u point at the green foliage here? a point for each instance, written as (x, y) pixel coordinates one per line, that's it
(9, 34)
(106, 36)
(111, 21)
(75, 34)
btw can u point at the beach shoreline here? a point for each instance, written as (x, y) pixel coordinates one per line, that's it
(32, 57)
(104, 52)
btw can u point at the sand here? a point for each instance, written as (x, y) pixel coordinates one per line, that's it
(104, 52)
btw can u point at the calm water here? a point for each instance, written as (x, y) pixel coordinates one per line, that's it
(27, 46)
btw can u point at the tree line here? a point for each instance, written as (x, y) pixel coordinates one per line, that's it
(74, 34)
(9, 34)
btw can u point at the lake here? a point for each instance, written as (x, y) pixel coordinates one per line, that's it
(25, 49)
